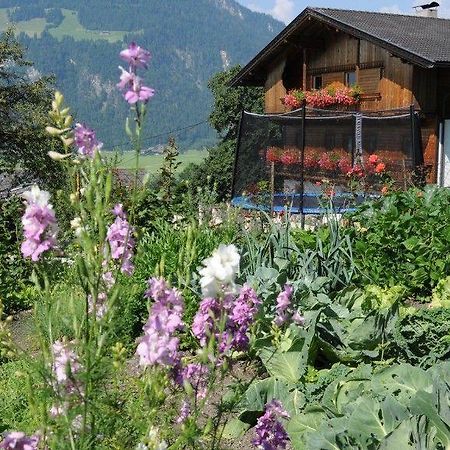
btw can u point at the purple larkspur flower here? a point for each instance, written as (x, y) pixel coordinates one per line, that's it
(121, 242)
(159, 345)
(206, 319)
(108, 279)
(99, 307)
(136, 56)
(284, 309)
(185, 412)
(65, 364)
(118, 211)
(86, 140)
(237, 313)
(19, 441)
(270, 433)
(133, 88)
(197, 376)
(39, 224)
(242, 315)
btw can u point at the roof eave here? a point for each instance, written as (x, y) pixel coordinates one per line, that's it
(392, 48)
(238, 79)
(268, 49)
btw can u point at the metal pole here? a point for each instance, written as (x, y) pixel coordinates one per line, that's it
(272, 187)
(302, 166)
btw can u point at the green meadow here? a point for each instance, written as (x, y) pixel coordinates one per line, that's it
(70, 26)
(152, 163)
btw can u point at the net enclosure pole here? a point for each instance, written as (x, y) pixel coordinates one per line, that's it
(302, 166)
(272, 187)
(238, 140)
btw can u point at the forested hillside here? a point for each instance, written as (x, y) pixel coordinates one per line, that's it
(190, 40)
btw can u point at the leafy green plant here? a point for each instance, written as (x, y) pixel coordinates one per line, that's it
(423, 337)
(400, 406)
(402, 239)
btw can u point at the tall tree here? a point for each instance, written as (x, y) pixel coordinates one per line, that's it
(230, 101)
(228, 105)
(25, 98)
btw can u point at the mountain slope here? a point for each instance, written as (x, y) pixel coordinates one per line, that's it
(189, 39)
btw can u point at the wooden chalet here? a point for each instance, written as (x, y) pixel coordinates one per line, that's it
(397, 60)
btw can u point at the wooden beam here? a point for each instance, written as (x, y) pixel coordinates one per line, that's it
(358, 60)
(304, 70)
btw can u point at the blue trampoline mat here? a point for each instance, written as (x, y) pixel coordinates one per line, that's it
(342, 202)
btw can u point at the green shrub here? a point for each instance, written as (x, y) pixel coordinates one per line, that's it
(423, 338)
(14, 270)
(403, 239)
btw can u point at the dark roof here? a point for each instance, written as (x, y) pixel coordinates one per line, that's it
(424, 41)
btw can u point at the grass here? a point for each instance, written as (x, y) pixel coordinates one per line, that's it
(70, 26)
(152, 163)
(30, 27)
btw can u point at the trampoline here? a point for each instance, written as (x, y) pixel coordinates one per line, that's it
(313, 203)
(292, 159)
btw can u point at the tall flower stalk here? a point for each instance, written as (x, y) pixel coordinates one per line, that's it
(137, 95)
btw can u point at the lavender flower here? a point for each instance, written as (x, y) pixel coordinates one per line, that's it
(136, 56)
(134, 90)
(270, 433)
(196, 375)
(121, 242)
(284, 308)
(19, 441)
(100, 307)
(159, 346)
(39, 224)
(220, 271)
(65, 364)
(243, 313)
(185, 411)
(86, 140)
(118, 211)
(206, 319)
(237, 313)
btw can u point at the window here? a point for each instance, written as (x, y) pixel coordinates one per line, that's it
(350, 78)
(317, 82)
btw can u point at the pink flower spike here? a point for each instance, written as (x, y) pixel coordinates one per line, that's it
(136, 56)
(18, 440)
(126, 79)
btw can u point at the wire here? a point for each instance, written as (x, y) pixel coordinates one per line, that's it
(166, 133)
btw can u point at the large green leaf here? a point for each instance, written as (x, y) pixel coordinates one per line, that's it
(372, 418)
(423, 403)
(302, 424)
(234, 429)
(402, 380)
(399, 439)
(263, 391)
(283, 365)
(290, 365)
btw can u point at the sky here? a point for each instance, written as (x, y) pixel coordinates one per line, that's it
(286, 10)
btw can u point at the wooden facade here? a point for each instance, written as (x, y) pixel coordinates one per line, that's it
(319, 54)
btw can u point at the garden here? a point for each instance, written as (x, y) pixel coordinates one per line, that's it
(152, 316)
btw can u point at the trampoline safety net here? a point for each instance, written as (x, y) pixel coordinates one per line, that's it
(294, 159)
